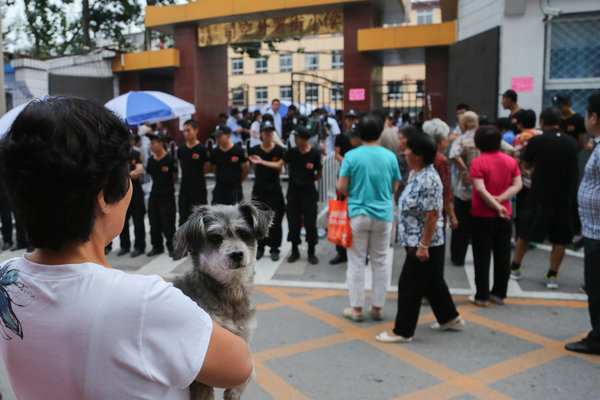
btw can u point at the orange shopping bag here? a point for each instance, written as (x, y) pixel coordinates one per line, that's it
(338, 225)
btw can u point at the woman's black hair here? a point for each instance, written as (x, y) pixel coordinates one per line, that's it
(370, 127)
(423, 145)
(57, 157)
(526, 118)
(488, 138)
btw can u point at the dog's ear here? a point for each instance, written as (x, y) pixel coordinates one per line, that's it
(258, 216)
(190, 236)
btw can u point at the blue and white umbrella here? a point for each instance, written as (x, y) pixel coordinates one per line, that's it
(138, 107)
(7, 119)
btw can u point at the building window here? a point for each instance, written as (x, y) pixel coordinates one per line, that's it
(311, 61)
(261, 95)
(237, 66)
(572, 59)
(237, 97)
(395, 89)
(261, 65)
(424, 17)
(311, 92)
(574, 51)
(337, 92)
(285, 62)
(285, 93)
(420, 89)
(337, 59)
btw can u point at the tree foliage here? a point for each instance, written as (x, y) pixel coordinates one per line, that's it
(57, 27)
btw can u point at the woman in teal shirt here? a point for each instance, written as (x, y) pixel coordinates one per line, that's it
(369, 175)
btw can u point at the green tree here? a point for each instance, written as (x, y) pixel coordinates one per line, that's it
(62, 27)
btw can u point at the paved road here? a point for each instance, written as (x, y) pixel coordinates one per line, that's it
(304, 349)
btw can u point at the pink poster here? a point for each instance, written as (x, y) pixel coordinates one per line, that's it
(524, 84)
(357, 94)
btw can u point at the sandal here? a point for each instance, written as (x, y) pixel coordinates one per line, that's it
(385, 338)
(350, 314)
(377, 316)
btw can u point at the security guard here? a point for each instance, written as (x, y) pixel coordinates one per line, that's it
(267, 159)
(136, 209)
(161, 205)
(305, 167)
(230, 166)
(193, 160)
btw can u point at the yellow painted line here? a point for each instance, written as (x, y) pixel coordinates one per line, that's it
(298, 348)
(275, 385)
(443, 391)
(516, 365)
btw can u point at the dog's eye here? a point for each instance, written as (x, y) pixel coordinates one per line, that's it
(215, 239)
(245, 236)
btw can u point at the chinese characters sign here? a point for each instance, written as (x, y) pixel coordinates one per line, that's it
(522, 84)
(331, 21)
(357, 94)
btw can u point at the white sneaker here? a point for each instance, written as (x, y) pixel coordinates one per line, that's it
(455, 324)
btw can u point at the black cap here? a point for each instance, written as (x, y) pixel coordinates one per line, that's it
(511, 94)
(560, 99)
(221, 129)
(301, 132)
(156, 136)
(351, 114)
(267, 125)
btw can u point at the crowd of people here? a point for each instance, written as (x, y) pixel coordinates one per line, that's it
(73, 171)
(498, 185)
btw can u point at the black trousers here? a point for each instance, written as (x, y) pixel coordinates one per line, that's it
(161, 212)
(228, 194)
(491, 235)
(420, 279)
(276, 203)
(341, 250)
(459, 241)
(302, 207)
(188, 199)
(136, 211)
(591, 271)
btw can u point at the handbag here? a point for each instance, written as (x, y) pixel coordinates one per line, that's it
(338, 223)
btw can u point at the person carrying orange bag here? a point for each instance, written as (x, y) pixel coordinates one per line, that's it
(369, 175)
(338, 225)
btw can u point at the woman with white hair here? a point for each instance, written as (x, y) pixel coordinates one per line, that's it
(439, 130)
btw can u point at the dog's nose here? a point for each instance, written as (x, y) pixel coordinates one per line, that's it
(237, 256)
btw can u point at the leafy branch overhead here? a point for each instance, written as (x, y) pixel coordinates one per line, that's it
(58, 28)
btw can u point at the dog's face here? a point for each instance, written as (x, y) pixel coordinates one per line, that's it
(224, 239)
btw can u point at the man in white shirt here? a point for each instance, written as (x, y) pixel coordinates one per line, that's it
(274, 111)
(236, 129)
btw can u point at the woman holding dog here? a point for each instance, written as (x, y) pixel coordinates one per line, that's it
(79, 328)
(267, 158)
(369, 175)
(421, 232)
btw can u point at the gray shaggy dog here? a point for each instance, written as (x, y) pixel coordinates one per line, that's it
(221, 241)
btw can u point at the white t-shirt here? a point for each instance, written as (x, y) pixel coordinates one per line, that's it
(255, 130)
(334, 130)
(90, 332)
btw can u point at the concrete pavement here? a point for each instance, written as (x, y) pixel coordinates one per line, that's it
(304, 348)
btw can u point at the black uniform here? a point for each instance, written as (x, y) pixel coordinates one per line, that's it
(136, 209)
(193, 186)
(343, 142)
(267, 189)
(228, 177)
(161, 205)
(302, 195)
(573, 126)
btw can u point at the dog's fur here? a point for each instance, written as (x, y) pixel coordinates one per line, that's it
(221, 241)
